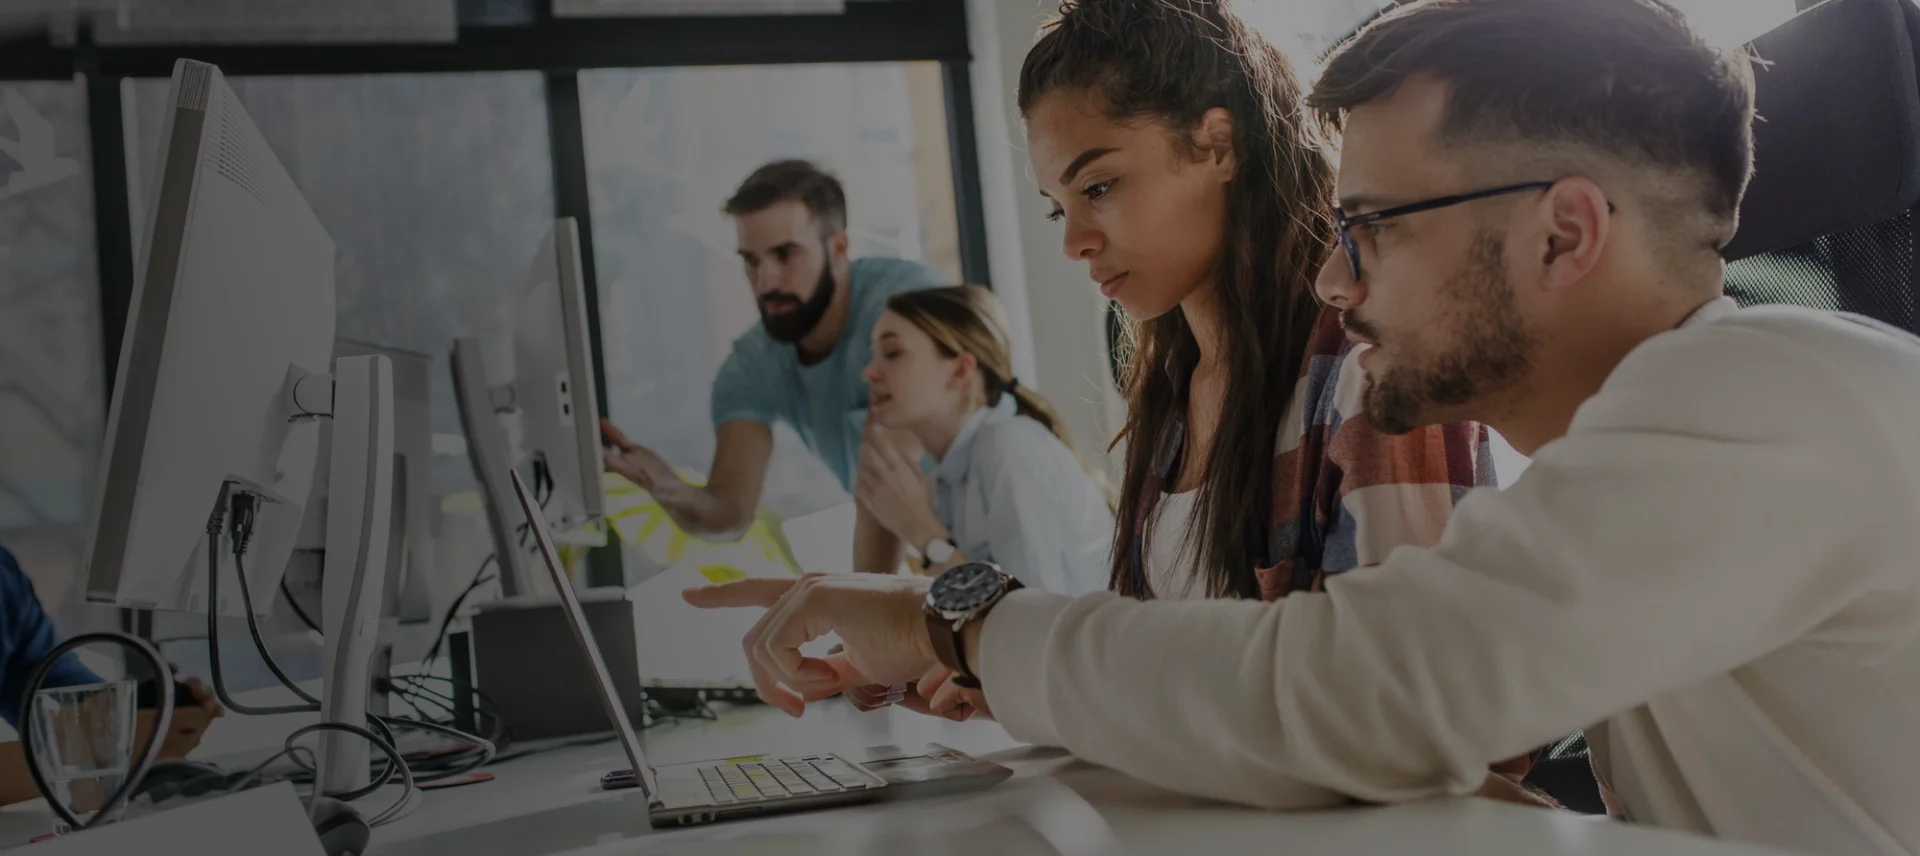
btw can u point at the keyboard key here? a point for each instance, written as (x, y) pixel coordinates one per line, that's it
(791, 781)
(842, 774)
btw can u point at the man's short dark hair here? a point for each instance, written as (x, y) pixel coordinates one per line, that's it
(1627, 78)
(786, 180)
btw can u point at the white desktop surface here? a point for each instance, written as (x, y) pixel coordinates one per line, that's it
(550, 803)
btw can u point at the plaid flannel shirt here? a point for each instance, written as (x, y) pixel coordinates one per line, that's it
(1344, 493)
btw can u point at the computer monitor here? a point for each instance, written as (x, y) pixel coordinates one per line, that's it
(223, 376)
(551, 395)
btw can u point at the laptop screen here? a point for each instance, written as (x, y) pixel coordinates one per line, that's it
(578, 618)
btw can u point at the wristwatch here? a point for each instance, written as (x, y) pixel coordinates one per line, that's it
(937, 551)
(959, 595)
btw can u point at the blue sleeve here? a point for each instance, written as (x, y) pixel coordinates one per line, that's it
(742, 390)
(26, 635)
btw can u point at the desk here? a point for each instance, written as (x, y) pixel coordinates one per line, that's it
(551, 804)
(1055, 804)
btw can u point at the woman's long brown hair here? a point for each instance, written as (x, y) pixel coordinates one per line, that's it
(1171, 61)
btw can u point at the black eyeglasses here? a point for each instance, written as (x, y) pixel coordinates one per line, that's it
(1346, 223)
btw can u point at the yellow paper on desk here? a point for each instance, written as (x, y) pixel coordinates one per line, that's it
(639, 520)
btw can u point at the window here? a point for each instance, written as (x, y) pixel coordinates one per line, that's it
(436, 189)
(666, 147)
(52, 403)
(1307, 30)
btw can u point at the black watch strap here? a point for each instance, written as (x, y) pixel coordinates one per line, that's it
(949, 644)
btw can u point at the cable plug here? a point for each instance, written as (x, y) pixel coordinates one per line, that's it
(244, 510)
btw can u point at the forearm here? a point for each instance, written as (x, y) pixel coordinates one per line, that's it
(1542, 611)
(705, 513)
(16, 784)
(875, 549)
(1195, 726)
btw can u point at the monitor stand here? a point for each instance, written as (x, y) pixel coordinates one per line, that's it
(488, 451)
(359, 513)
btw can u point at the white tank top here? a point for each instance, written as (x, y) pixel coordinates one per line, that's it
(1173, 549)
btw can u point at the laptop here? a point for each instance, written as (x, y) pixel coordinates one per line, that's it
(751, 785)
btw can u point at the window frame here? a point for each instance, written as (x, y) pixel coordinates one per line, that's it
(867, 32)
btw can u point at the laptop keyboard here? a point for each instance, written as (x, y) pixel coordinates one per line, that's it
(794, 777)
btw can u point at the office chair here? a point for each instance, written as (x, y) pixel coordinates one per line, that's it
(1829, 218)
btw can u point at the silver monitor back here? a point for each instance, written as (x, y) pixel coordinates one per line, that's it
(553, 387)
(410, 553)
(552, 401)
(232, 304)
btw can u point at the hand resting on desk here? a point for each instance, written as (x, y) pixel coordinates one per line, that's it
(192, 715)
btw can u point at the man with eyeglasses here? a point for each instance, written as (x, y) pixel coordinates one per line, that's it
(1709, 566)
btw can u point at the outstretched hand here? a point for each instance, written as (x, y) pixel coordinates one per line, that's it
(638, 463)
(878, 619)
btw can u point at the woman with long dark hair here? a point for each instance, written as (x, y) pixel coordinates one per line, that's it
(1173, 146)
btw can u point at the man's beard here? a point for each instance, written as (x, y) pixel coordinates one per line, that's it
(1492, 348)
(795, 325)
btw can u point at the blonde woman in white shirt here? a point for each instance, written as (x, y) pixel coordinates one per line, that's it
(1006, 487)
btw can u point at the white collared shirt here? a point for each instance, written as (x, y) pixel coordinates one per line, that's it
(1011, 493)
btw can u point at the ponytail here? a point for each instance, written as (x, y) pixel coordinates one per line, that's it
(966, 319)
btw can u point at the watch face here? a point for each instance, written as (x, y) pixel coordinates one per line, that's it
(939, 551)
(965, 587)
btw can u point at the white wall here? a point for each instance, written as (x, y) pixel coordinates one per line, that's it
(1057, 314)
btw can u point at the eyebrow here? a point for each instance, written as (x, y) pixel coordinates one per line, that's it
(789, 245)
(1356, 202)
(1080, 163)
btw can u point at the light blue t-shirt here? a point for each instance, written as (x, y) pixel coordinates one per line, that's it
(825, 403)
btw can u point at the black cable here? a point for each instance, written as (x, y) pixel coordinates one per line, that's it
(413, 688)
(543, 483)
(415, 698)
(162, 722)
(297, 610)
(250, 778)
(524, 751)
(253, 629)
(446, 621)
(485, 748)
(310, 768)
(243, 506)
(214, 526)
(452, 682)
(484, 706)
(407, 699)
(395, 762)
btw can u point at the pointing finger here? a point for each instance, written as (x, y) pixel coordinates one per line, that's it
(748, 592)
